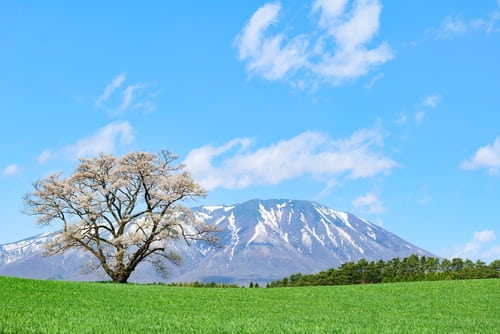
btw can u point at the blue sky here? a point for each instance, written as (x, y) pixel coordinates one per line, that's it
(386, 109)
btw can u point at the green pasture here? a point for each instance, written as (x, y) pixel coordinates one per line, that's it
(31, 306)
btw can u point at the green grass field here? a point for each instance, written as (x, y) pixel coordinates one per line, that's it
(31, 306)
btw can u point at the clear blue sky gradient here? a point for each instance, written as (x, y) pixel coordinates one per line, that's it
(386, 109)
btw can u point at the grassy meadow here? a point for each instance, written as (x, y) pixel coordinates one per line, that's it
(32, 306)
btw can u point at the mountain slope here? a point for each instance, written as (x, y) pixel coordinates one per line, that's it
(262, 240)
(270, 239)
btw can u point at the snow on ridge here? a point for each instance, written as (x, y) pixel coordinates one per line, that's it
(306, 240)
(235, 238)
(329, 232)
(327, 212)
(212, 208)
(260, 234)
(220, 220)
(281, 206)
(312, 231)
(345, 218)
(35, 242)
(269, 217)
(202, 215)
(284, 236)
(347, 236)
(228, 208)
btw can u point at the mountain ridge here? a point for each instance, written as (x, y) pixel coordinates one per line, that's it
(262, 240)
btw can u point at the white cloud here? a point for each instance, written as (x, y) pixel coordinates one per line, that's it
(128, 97)
(45, 156)
(270, 57)
(419, 117)
(401, 119)
(349, 30)
(480, 247)
(373, 80)
(369, 202)
(309, 153)
(114, 85)
(425, 199)
(484, 236)
(134, 97)
(11, 170)
(486, 157)
(432, 101)
(453, 26)
(335, 52)
(105, 140)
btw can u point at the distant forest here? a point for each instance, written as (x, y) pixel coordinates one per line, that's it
(412, 268)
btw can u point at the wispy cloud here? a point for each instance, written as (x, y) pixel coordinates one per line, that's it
(419, 117)
(335, 52)
(11, 170)
(128, 97)
(425, 198)
(431, 101)
(133, 97)
(233, 165)
(485, 157)
(481, 246)
(422, 109)
(114, 85)
(105, 140)
(369, 202)
(454, 25)
(373, 80)
(45, 156)
(402, 118)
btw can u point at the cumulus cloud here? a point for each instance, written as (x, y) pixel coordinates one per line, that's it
(270, 57)
(369, 202)
(233, 165)
(486, 157)
(336, 51)
(11, 170)
(480, 247)
(105, 140)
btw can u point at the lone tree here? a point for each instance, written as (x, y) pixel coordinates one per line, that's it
(123, 211)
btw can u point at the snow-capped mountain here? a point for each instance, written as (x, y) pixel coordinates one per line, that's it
(261, 241)
(12, 252)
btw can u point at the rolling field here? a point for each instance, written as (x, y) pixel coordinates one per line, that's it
(31, 306)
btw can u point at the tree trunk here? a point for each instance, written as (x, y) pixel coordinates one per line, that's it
(121, 277)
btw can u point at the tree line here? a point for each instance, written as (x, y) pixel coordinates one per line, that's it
(412, 268)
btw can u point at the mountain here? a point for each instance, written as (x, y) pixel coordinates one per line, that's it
(262, 240)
